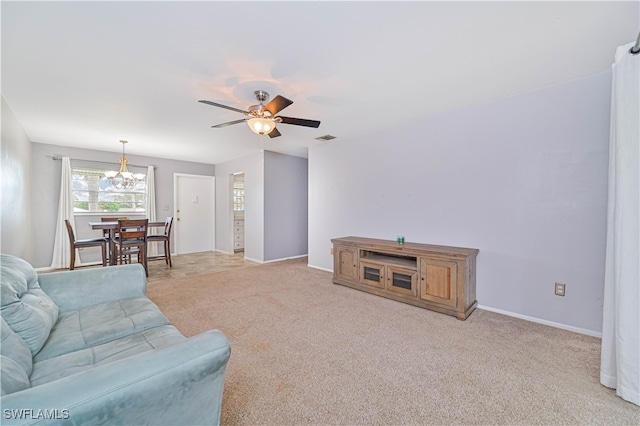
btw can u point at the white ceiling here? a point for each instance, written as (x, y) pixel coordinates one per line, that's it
(87, 74)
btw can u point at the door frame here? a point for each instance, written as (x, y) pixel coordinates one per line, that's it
(175, 206)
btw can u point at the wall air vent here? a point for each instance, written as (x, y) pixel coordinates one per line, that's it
(325, 138)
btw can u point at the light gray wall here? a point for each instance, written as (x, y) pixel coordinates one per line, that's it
(16, 230)
(253, 168)
(46, 191)
(285, 206)
(275, 218)
(523, 179)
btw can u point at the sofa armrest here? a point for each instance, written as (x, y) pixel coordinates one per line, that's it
(180, 384)
(73, 290)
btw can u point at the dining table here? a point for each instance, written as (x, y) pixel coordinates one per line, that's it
(112, 227)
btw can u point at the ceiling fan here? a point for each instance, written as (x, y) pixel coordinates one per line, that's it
(262, 119)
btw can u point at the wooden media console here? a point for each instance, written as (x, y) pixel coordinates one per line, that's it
(438, 278)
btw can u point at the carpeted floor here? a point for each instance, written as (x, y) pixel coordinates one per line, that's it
(306, 351)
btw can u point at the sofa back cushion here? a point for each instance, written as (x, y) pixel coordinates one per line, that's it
(16, 361)
(24, 306)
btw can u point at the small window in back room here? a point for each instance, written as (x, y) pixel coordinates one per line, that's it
(238, 196)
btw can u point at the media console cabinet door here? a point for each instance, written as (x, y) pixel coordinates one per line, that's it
(372, 274)
(346, 263)
(402, 281)
(438, 281)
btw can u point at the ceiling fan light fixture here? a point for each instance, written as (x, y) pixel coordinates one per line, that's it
(263, 119)
(261, 126)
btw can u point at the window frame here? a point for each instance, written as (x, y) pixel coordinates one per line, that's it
(114, 201)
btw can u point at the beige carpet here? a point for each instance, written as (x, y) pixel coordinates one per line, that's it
(306, 351)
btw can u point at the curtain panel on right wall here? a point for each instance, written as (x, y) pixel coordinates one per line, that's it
(620, 358)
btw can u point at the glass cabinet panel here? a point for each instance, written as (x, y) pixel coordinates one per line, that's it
(402, 280)
(372, 274)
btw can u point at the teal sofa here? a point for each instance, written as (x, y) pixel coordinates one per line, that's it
(88, 347)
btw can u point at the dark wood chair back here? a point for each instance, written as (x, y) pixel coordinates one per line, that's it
(105, 232)
(165, 238)
(72, 236)
(168, 223)
(90, 242)
(132, 229)
(132, 239)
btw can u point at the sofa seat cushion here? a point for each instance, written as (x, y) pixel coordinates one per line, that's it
(71, 363)
(95, 325)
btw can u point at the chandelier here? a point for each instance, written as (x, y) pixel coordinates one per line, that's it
(123, 178)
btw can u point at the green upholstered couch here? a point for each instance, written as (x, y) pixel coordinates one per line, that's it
(88, 347)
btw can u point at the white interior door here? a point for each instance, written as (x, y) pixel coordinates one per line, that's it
(194, 227)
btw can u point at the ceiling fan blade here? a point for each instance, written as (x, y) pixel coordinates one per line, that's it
(300, 122)
(229, 123)
(225, 107)
(277, 104)
(274, 133)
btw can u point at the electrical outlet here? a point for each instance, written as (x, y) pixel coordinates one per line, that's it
(560, 288)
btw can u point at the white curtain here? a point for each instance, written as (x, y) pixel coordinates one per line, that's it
(62, 246)
(151, 206)
(620, 358)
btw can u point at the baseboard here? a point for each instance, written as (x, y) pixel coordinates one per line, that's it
(319, 268)
(275, 260)
(285, 258)
(82, 265)
(223, 252)
(545, 322)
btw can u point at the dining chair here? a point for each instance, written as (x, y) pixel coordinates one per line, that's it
(132, 239)
(165, 238)
(88, 242)
(106, 232)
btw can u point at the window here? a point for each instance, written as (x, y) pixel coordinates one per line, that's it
(238, 196)
(92, 193)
